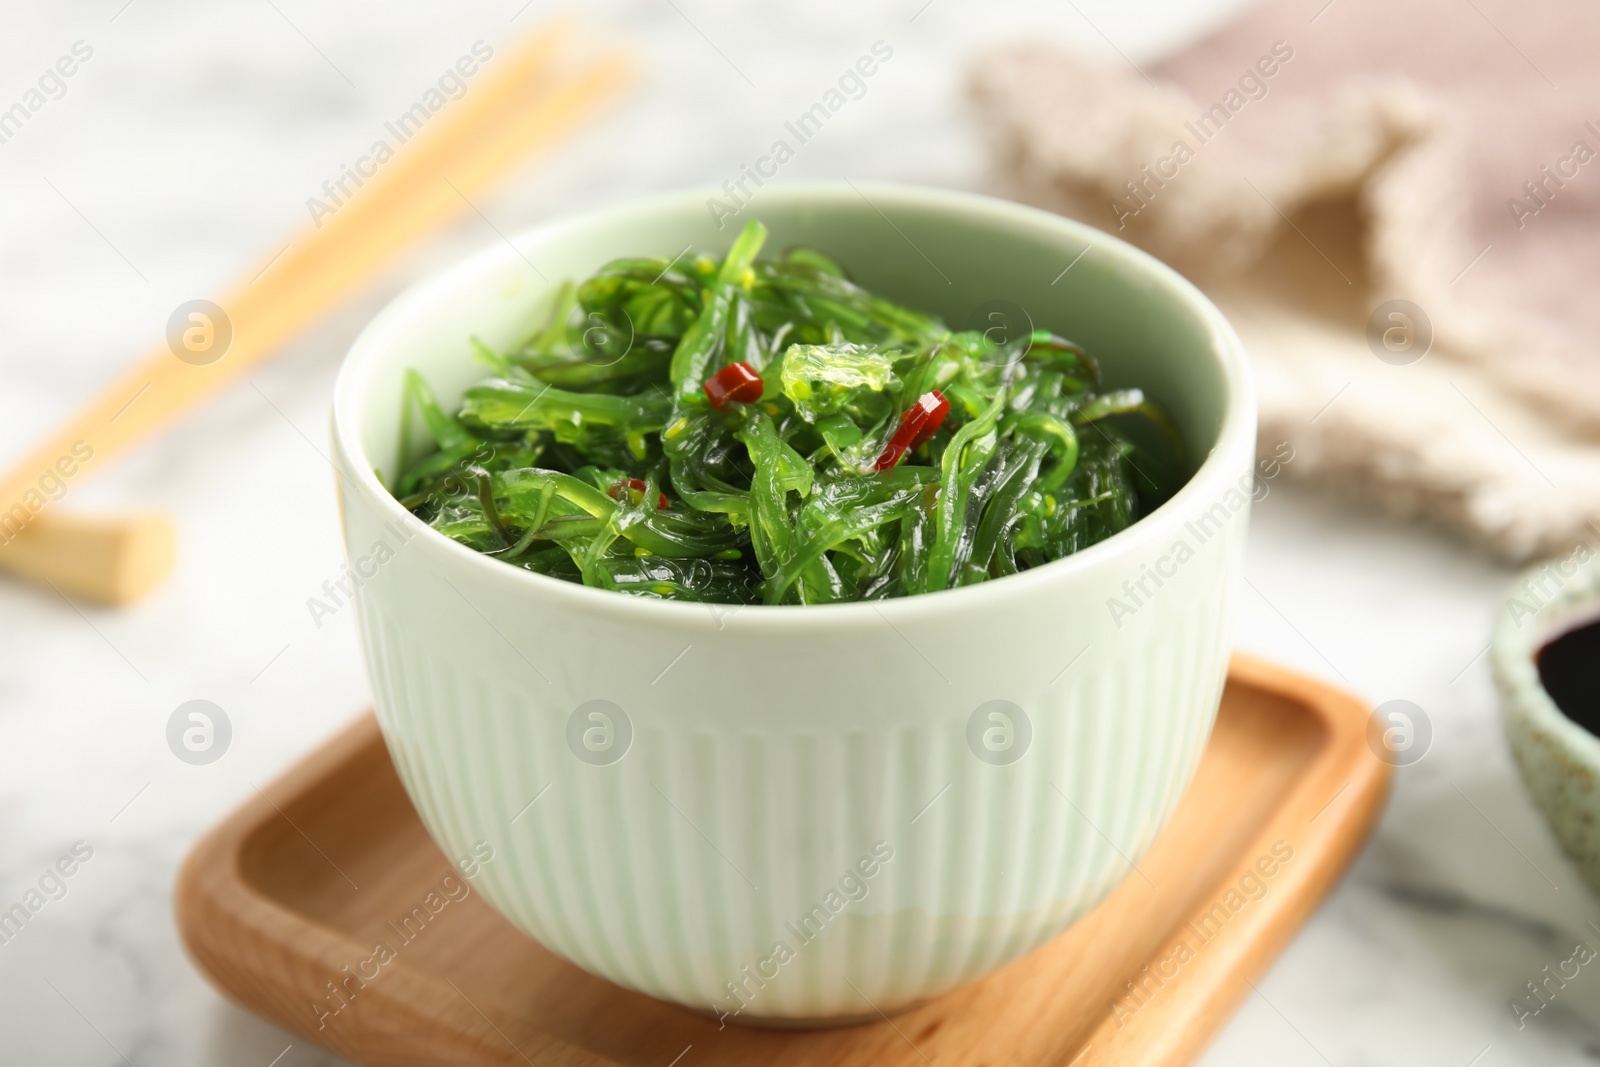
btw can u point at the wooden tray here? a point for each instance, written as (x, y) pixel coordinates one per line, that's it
(1145, 979)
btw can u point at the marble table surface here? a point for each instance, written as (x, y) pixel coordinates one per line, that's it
(181, 153)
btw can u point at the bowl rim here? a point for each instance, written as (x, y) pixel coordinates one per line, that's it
(1218, 472)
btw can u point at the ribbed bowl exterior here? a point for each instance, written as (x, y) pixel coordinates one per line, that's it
(804, 814)
(760, 775)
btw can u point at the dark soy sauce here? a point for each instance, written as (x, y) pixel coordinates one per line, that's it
(1569, 669)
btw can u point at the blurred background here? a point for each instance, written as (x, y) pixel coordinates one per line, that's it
(180, 157)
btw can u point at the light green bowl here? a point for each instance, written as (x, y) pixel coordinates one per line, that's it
(1559, 760)
(768, 772)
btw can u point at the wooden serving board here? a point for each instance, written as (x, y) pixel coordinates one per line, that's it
(1284, 796)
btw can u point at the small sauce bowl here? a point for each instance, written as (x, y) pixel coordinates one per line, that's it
(1550, 617)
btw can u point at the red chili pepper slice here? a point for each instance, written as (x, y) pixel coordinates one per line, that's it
(738, 382)
(920, 422)
(636, 485)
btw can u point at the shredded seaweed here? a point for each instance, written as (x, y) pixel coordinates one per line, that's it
(766, 431)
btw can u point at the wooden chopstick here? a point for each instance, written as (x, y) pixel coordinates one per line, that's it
(523, 105)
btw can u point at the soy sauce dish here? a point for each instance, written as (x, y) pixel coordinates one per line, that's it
(1547, 668)
(817, 774)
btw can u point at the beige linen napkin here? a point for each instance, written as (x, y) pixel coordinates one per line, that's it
(1398, 205)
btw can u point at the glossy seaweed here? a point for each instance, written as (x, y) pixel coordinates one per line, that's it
(766, 431)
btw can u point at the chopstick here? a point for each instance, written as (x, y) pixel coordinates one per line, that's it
(523, 106)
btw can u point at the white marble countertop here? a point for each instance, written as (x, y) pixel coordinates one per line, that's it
(184, 150)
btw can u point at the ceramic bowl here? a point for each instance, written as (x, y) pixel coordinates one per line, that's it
(1559, 760)
(806, 813)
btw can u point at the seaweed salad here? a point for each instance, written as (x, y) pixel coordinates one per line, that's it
(766, 431)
